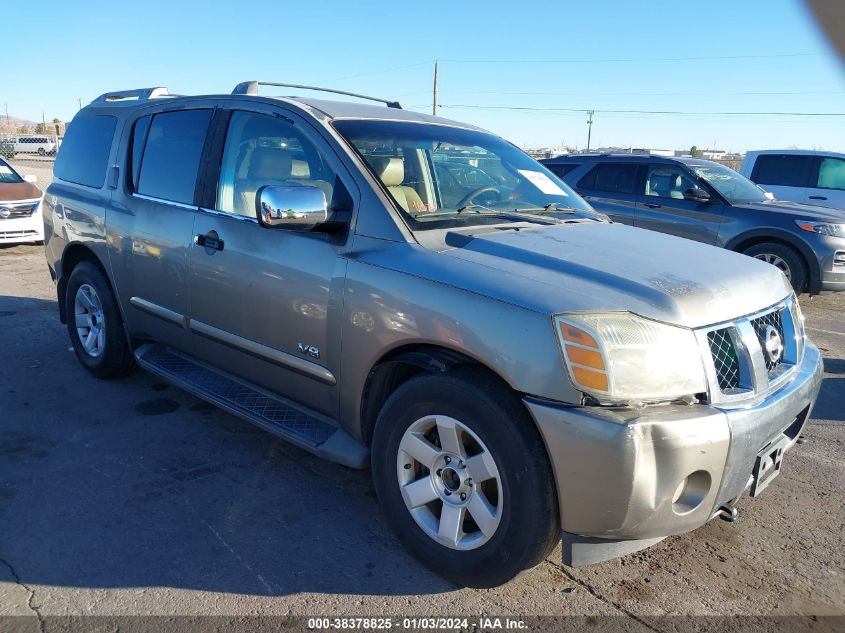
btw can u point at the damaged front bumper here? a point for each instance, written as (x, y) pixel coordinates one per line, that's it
(627, 478)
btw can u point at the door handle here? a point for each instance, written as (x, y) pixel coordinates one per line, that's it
(209, 241)
(652, 205)
(818, 197)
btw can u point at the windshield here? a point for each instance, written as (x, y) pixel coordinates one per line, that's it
(733, 186)
(442, 176)
(7, 174)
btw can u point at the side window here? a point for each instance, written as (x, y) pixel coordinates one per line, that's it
(789, 170)
(84, 155)
(831, 174)
(667, 181)
(611, 177)
(562, 169)
(264, 150)
(172, 154)
(139, 137)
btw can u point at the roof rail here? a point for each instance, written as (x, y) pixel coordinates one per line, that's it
(251, 88)
(139, 94)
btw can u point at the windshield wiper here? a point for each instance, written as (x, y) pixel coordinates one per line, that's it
(474, 207)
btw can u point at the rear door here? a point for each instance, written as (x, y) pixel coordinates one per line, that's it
(151, 221)
(664, 207)
(611, 187)
(827, 180)
(787, 176)
(266, 304)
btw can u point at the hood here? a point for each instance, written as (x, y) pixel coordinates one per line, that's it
(14, 191)
(598, 267)
(797, 209)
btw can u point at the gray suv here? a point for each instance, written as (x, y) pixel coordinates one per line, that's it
(388, 289)
(708, 202)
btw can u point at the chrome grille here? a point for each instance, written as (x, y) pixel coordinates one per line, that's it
(10, 211)
(725, 358)
(740, 365)
(761, 327)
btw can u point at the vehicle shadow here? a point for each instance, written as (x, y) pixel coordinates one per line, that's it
(133, 483)
(831, 403)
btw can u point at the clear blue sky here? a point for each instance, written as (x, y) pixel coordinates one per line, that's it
(781, 62)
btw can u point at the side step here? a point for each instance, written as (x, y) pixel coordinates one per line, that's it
(272, 413)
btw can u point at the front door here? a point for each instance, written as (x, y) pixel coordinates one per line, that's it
(266, 304)
(664, 207)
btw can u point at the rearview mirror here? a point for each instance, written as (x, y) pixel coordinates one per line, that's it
(291, 208)
(696, 194)
(30, 178)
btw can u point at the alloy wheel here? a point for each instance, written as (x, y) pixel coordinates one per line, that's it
(89, 320)
(776, 261)
(450, 482)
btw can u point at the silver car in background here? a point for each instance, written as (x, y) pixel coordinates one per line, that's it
(389, 289)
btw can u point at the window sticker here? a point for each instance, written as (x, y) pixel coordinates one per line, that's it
(542, 182)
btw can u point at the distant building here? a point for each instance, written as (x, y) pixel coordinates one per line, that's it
(713, 154)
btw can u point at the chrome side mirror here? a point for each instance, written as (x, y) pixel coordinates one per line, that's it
(291, 208)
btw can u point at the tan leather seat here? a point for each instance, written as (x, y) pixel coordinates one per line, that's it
(391, 171)
(300, 174)
(267, 166)
(273, 166)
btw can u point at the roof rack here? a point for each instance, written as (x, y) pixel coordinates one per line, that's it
(251, 88)
(139, 94)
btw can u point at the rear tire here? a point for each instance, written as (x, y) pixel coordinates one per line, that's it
(95, 325)
(509, 520)
(785, 258)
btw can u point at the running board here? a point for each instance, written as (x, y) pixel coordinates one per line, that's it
(272, 413)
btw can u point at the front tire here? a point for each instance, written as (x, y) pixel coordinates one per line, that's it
(785, 258)
(95, 325)
(464, 478)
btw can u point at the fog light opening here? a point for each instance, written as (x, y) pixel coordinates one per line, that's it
(691, 492)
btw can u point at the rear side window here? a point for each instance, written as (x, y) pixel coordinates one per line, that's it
(171, 155)
(611, 177)
(831, 173)
(84, 154)
(562, 169)
(789, 170)
(139, 137)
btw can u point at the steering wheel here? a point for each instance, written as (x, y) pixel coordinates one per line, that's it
(472, 195)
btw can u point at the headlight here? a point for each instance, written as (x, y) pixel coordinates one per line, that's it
(620, 357)
(823, 228)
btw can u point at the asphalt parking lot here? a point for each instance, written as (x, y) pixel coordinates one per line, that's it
(133, 497)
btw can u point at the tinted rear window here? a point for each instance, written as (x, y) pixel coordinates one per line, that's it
(611, 177)
(790, 170)
(561, 169)
(172, 154)
(84, 153)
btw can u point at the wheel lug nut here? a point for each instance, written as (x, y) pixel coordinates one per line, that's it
(448, 459)
(407, 466)
(439, 472)
(448, 493)
(463, 496)
(469, 482)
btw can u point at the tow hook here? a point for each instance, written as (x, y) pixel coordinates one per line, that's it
(728, 513)
(802, 439)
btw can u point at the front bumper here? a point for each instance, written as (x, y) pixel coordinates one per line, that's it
(22, 230)
(831, 253)
(641, 475)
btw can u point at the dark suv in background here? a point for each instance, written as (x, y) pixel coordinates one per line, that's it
(708, 202)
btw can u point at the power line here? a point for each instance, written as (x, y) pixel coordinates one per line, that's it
(618, 60)
(673, 93)
(672, 112)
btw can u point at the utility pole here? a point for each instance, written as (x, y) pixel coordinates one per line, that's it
(434, 93)
(590, 128)
(7, 113)
(80, 102)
